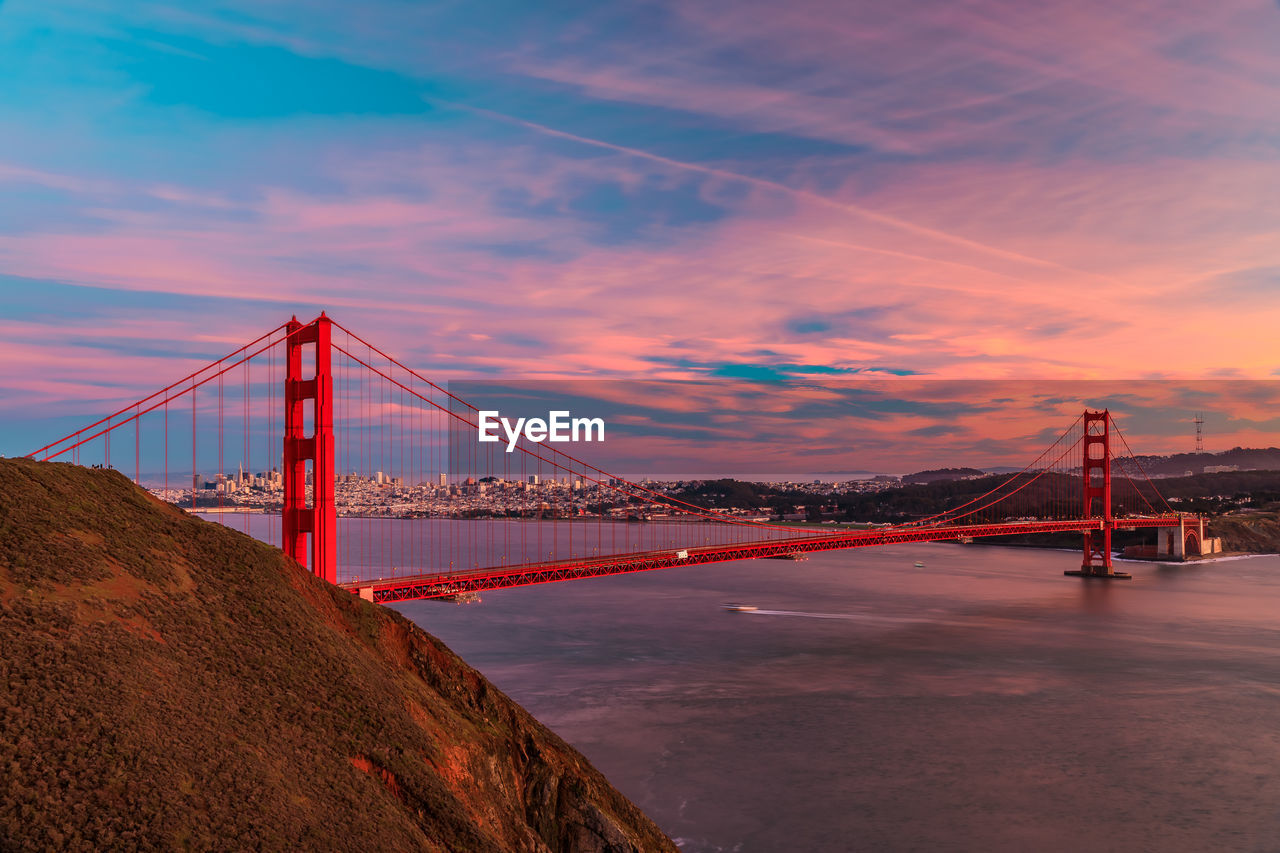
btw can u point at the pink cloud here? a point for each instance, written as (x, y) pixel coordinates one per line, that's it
(1055, 270)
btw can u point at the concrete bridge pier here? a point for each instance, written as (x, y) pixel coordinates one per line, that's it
(1185, 540)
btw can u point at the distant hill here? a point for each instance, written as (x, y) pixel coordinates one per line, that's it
(1243, 458)
(169, 683)
(935, 475)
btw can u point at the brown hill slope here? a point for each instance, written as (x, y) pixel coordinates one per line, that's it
(1256, 533)
(169, 683)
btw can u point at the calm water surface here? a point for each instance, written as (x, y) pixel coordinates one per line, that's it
(984, 702)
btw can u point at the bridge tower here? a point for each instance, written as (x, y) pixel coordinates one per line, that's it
(319, 518)
(1096, 470)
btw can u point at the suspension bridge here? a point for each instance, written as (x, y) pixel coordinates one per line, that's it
(339, 429)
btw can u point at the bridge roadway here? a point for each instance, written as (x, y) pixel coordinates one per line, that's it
(439, 584)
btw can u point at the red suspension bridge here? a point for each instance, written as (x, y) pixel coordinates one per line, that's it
(337, 428)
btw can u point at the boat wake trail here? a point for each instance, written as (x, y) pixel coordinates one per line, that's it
(848, 617)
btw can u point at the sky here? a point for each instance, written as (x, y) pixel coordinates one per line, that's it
(630, 190)
(840, 429)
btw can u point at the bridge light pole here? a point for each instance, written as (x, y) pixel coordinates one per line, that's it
(320, 518)
(1096, 470)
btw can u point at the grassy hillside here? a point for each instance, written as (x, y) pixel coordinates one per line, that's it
(169, 683)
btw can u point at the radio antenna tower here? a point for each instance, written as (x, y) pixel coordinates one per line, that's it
(1199, 432)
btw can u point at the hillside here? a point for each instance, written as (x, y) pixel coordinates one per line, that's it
(934, 475)
(168, 683)
(1246, 458)
(1256, 533)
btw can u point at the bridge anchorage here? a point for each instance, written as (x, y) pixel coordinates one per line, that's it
(365, 437)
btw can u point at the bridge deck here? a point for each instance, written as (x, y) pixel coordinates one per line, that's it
(436, 585)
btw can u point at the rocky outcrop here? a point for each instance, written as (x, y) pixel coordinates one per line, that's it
(1257, 533)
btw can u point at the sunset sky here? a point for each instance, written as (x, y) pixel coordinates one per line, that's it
(737, 190)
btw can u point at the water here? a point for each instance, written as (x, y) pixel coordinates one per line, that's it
(984, 702)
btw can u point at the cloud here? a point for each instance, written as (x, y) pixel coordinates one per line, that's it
(654, 191)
